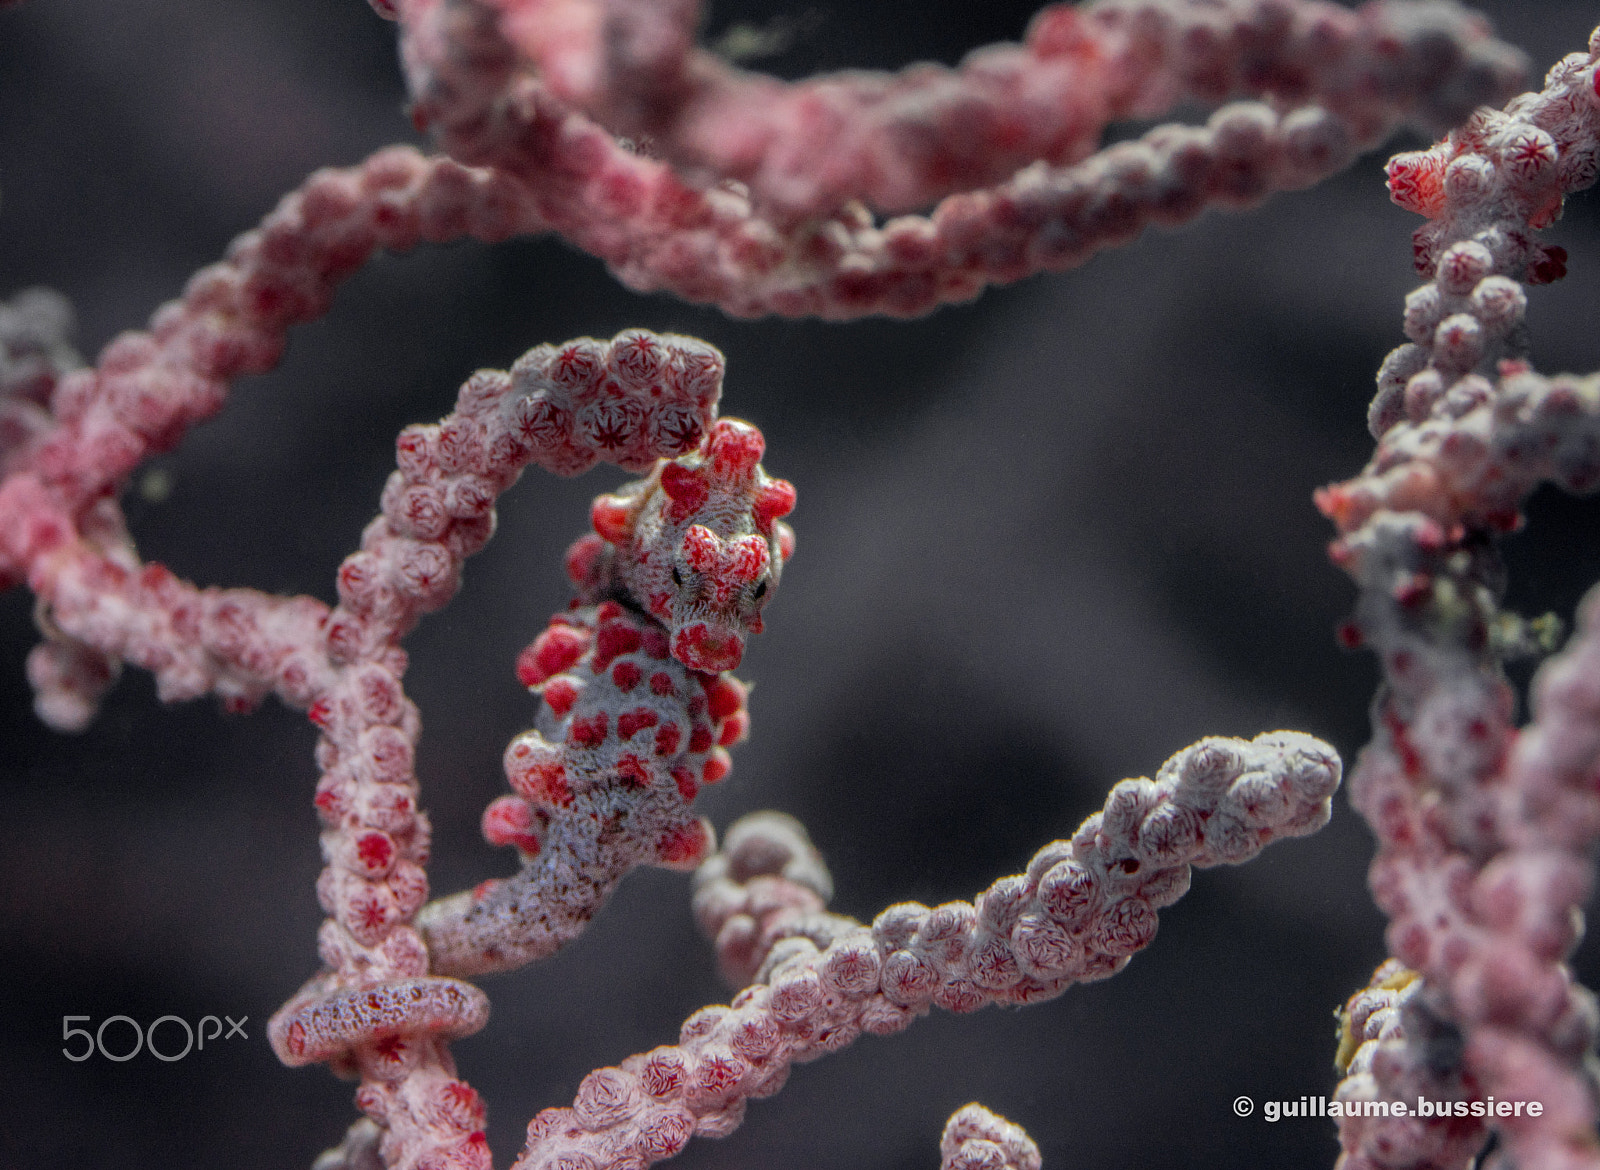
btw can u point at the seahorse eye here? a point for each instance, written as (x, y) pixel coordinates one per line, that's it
(761, 589)
(677, 577)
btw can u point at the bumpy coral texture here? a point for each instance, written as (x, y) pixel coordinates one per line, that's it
(1393, 1042)
(976, 1139)
(386, 1004)
(808, 218)
(762, 197)
(1487, 833)
(1078, 913)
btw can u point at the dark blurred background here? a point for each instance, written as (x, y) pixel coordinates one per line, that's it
(1045, 540)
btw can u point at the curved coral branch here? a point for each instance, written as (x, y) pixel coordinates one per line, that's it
(640, 398)
(1081, 910)
(149, 387)
(767, 883)
(60, 526)
(377, 1010)
(797, 247)
(901, 141)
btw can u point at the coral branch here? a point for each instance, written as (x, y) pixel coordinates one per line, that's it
(148, 388)
(331, 1025)
(60, 526)
(767, 883)
(900, 142)
(976, 1139)
(633, 401)
(1081, 910)
(1391, 1035)
(795, 246)
(841, 196)
(377, 1008)
(1486, 837)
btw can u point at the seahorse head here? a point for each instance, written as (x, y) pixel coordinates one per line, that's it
(700, 544)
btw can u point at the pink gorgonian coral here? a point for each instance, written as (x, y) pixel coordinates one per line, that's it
(841, 196)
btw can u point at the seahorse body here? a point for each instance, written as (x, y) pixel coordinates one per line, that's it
(638, 707)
